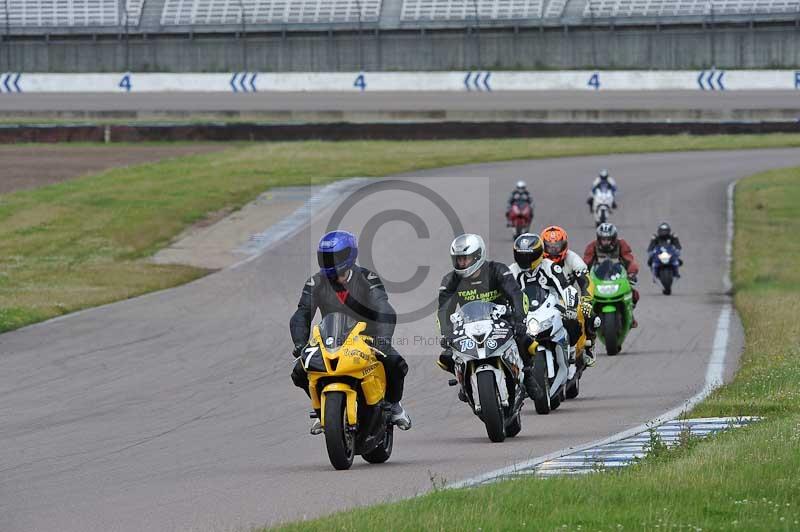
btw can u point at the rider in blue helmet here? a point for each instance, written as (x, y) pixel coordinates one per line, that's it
(342, 286)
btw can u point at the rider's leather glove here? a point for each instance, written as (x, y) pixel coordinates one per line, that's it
(444, 342)
(586, 306)
(520, 329)
(633, 278)
(298, 350)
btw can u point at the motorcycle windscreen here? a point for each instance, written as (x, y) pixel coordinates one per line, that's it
(335, 328)
(537, 294)
(609, 270)
(475, 311)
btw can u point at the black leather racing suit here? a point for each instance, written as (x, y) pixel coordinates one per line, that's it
(657, 241)
(516, 196)
(363, 297)
(493, 283)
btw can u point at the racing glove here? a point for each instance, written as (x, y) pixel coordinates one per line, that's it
(520, 329)
(298, 350)
(586, 306)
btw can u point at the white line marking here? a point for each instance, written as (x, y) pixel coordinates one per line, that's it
(714, 374)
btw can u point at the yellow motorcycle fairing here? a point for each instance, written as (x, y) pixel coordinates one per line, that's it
(355, 359)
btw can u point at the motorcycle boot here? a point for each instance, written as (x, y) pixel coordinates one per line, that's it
(446, 361)
(399, 417)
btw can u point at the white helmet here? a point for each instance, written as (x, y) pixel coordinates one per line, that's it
(521, 185)
(472, 247)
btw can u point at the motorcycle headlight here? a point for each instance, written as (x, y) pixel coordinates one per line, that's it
(664, 257)
(478, 331)
(535, 326)
(607, 289)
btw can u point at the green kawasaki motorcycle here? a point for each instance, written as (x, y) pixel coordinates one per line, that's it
(613, 303)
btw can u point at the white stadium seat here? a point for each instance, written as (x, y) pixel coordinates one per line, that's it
(418, 10)
(189, 12)
(676, 8)
(72, 13)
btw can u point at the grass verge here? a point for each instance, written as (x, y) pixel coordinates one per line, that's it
(82, 243)
(747, 479)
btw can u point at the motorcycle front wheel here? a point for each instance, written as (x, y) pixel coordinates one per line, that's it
(541, 403)
(339, 441)
(665, 275)
(611, 328)
(491, 409)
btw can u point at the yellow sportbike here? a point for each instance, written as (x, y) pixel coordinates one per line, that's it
(347, 383)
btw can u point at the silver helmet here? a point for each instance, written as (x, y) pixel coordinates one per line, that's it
(468, 253)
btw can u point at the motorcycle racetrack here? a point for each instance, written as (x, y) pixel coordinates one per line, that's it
(175, 411)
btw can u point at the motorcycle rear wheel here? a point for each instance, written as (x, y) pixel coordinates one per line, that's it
(515, 426)
(491, 409)
(573, 388)
(382, 452)
(339, 441)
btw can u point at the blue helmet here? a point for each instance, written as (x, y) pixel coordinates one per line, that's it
(336, 253)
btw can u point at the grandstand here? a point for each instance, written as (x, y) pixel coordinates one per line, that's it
(97, 16)
(362, 35)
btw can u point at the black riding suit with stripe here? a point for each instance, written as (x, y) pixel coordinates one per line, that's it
(493, 283)
(364, 298)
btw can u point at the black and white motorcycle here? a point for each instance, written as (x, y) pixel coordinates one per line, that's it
(552, 370)
(488, 367)
(602, 204)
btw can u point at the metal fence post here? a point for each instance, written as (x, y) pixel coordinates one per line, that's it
(244, 35)
(477, 33)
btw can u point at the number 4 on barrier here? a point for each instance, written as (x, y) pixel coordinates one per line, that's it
(594, 81)
(360, 82)
(125, 83)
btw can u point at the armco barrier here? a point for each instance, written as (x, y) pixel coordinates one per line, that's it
(472, 81)
(383, 131)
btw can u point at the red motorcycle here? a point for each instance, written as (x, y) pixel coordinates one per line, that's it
(520, 216)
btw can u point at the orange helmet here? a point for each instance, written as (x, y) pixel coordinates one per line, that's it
(555, 243)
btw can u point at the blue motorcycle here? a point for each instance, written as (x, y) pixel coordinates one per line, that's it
(664, 263)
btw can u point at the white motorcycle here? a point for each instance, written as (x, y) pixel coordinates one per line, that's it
(488, 367)
(551, 348)
(602, 204)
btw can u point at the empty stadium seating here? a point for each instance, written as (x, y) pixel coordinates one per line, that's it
(71, 13)
(422, 10)
(190, 12)
(677, 8)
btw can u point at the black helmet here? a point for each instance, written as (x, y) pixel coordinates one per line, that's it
(606, 236)
(664, 230)
(528, 251)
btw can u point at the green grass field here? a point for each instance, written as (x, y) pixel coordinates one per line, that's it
(84, 242)
(747, 479)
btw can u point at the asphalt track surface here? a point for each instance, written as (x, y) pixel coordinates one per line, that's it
(403, 101)
(174, 411)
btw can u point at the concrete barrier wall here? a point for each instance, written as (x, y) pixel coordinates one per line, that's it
(480, 81)
(396, 131)
(674, 48)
